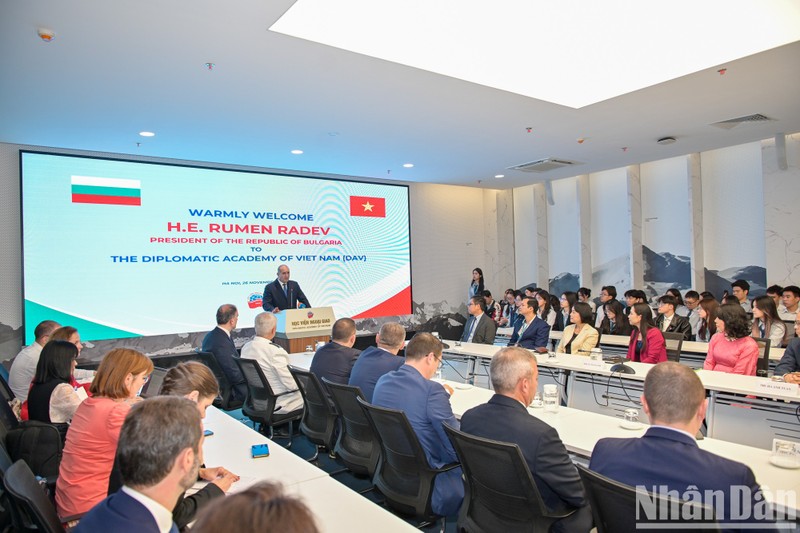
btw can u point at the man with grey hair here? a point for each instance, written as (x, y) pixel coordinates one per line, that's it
(378, 360)
(667, 457)
(274, 361)
(24, 366)
(159, 454)
(506, 418)
(219, 343)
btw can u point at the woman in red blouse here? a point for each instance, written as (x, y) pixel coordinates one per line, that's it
(647, 343)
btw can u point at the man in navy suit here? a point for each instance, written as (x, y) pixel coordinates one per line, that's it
(159, 457)
(283, 293)
(334, 361)
(218, 341)
(505, 418)
(667, 457)
(531, 332)
(376, 361)
(480, 328)
(426, 403)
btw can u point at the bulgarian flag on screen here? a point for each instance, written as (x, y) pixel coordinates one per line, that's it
(114, 191)
(367, 206)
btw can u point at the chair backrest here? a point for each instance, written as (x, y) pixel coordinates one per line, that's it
(153, 385)
(260, 397)
(5, 389)
(501, 494)
(674, 342)
(357, 445)
(619, 507)
(8, 420)
(29, 496)
(319, 418)
(39, 444)
(403, 475)
(762, 366)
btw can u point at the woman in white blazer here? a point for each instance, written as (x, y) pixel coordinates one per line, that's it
(579, 337)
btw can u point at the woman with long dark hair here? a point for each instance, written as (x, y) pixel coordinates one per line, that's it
(615, 321)
(680, 306)
(732, 349)
(766, 322)
(546, 311)
(566, 303)
(708, 310)
(647, 342)
(476, 284)
(52, 398)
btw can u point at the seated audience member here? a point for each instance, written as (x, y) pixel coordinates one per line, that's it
(706, 294)
(607, 294)
(546, 311)
(262, 508)
(509, 309)
(789, 365)
(194, 381)
(579, 337)
(707, 327)
(667, 458)
(741, 290)
(668, 321)
(615, 321)
(219, 343)
(493, 308)
(680, 307)
(426, 403)
(531, 332)
(766, 323)
(24, 365)
(479, 328)
(585, 296)
(505, 418)
(775, 292)
(566, 304)
(70, 334)
(378, 360)
(334, 360)
(791, 302)
(52, 398)
(692, 302)
(159, 454)
(647, 343)
(94, 431)
(732, 349)
(529, 292)
(633, 297)
(274, 362)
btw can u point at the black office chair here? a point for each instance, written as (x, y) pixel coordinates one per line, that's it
(9, 514)
(319, 418)
(615, 507)
(403, 475)
(500, 494)
(259, 405)
(357, 445)
(35, 509)
(5, 389)
(8, 420)
(762, 366)
(153, 386)
(674, 342)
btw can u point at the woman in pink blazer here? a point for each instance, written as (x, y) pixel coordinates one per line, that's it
(647, 343)
(732, 349)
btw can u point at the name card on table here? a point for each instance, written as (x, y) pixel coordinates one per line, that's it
(595, 364)
(791, 389)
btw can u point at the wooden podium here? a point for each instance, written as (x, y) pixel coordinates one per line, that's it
(297, 328)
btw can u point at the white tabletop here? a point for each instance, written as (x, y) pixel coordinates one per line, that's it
(301, 360)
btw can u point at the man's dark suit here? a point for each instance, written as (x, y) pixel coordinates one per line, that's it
(678, 324)
(373, 363)
(790, 362)
(275, 297)
(119, 513)
(334, 362)
(427, 406)
(536, 335)
(219, 343)
(665, 457)
(485, 330)
(506, 420)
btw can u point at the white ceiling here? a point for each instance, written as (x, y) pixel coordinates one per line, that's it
(117, 68)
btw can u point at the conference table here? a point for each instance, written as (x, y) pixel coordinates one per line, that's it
(748, 410)
(580, 430)
(336, 507)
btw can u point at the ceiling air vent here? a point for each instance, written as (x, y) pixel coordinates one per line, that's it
(543, 165)
(733, 122)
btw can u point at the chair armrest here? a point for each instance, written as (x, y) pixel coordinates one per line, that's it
(447, 467)
(287, 392)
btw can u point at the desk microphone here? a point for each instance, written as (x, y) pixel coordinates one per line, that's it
(622, 368)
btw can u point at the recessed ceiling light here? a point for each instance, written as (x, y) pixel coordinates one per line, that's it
(147, 134)
(409, 165)
(297, 152)
(500, 176)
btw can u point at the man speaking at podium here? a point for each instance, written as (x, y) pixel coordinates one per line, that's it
(283, 293)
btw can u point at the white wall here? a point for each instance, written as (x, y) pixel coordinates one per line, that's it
(782, 205)
(665, 206)
(562, 227)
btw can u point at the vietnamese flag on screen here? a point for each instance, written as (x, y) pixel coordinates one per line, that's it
(367, 206)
